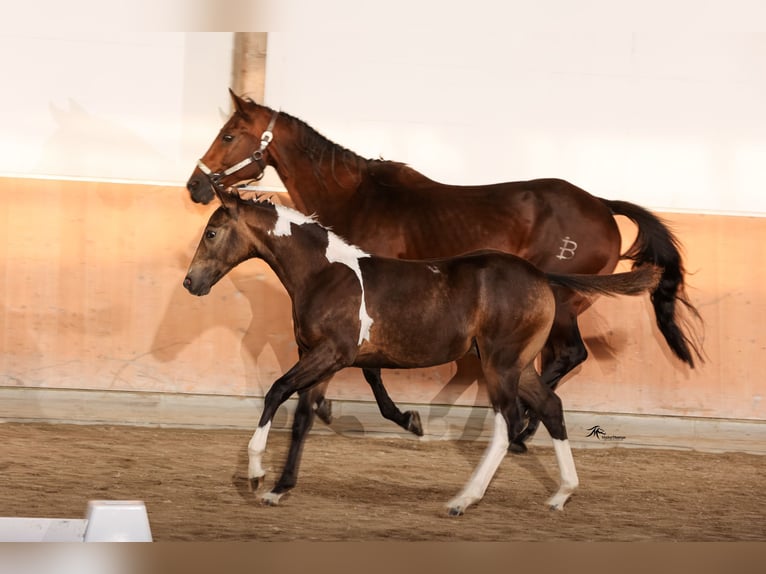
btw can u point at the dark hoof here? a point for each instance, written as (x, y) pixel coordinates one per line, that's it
(413, 424)
(252, 484)
(517, 448)
(324, 411)
(455, 512)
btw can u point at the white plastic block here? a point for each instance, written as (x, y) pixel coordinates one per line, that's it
(117, 521)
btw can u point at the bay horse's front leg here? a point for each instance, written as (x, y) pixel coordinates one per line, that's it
(409, 420)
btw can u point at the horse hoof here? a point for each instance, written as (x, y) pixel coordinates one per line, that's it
(455, 511)
(271, 499)
(252, 484)
(557, 501)
(324, 411)
(414, 425)
(517, 448)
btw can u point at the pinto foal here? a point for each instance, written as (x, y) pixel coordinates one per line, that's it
(353, 309)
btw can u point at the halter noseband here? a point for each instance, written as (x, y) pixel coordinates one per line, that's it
(257, 156)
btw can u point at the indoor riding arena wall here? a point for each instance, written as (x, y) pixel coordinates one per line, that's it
(662, 107)
(92, 300)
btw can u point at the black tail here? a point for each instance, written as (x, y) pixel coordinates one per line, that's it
(640, 280)
(655, 244)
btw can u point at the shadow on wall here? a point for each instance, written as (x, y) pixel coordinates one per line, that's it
(188, 317)
(91, 146)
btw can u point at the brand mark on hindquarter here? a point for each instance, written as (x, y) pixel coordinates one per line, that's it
(567, 248)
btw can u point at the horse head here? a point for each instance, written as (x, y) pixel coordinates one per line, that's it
(220, 249)
(238, 153)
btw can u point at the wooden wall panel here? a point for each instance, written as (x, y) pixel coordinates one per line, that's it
(90, 276)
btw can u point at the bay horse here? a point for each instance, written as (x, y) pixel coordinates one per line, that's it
(354, 309)
(387, 208)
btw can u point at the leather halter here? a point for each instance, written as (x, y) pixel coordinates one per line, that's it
(256, 157)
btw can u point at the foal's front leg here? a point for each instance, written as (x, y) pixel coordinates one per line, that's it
(302, 421)
(312, 368)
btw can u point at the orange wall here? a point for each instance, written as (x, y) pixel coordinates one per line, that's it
(90, 276)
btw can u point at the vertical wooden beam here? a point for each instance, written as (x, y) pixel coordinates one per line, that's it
(249, 65)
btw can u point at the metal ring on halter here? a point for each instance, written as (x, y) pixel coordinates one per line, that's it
(215, 179)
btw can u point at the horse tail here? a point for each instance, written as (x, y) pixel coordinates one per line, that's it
(639, 280)
(657, 245)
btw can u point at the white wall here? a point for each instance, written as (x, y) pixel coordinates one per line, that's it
(655, 101)
(111, 105)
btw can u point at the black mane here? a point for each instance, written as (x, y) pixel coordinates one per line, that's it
(320, 148)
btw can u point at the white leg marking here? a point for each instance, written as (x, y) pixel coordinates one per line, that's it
(569, 480)
(474, 490)
(255, 450)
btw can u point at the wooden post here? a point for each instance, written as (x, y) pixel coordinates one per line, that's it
(249, 65)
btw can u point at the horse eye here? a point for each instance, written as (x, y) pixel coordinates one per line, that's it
(209, 234)
(228, 138)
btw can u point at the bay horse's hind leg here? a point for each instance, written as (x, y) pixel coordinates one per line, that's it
(409, 420)
(563, 351)
(547, 405)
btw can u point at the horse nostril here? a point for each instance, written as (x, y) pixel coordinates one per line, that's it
(187, 282)
(192, 185)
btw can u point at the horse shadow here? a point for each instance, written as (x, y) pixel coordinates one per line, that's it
(187, 318)
(86, 143)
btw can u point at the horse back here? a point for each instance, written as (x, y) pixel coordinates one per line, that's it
(398, 212)
(431, 312)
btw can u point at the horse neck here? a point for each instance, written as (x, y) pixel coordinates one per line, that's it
(321, 177)
(294, 258)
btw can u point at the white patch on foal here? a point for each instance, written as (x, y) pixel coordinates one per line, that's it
(286, 216)
(338, 251)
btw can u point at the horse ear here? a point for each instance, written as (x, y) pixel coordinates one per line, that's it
(230, 202)
(239, 104)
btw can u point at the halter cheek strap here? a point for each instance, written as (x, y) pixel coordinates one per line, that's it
(257, 156)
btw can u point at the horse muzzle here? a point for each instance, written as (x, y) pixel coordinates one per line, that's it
(200, 189)
(196, 287)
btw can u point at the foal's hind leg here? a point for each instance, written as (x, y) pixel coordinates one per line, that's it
(563, 351)
(409, 420)
(547, 405)
(502, 390)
